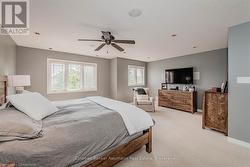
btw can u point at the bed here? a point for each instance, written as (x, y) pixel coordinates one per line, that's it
(82, 133)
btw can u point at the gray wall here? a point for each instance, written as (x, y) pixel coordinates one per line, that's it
(119, 78)
(125, 92)
(212, 66)
(239, 94)
(112, 74)
(33, 62)
(7, 57)
(113, 78)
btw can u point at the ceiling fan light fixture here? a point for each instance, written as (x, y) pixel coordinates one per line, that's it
(135, 13)
(108, 39)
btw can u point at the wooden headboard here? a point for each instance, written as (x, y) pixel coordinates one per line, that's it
(3, 89)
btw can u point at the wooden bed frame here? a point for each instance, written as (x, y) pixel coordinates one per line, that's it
(118, 154)
(110, 158)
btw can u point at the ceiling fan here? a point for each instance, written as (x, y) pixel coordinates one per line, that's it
(109, 39)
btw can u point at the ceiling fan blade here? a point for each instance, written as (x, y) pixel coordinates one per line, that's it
(99, 47)
(124, 41)
(97, 40)
(117, 47)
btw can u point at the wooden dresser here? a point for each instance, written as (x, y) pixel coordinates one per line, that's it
(181, 100)
(215, 111)
(3, 89)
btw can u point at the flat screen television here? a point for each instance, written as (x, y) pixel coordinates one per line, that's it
(179, 76)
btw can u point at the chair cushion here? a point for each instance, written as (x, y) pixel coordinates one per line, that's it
(144, 102)
(142, 97)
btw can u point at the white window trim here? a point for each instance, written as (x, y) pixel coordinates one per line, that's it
(49, 91)
(137, 67)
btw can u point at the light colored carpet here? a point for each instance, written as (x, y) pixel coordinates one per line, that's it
(179, 141)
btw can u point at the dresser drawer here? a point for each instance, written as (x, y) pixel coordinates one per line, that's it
(215, 111)
(180, 100)
(165, 103)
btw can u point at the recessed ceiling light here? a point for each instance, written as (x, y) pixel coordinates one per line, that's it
(174, 35)
(135, 13)
(37, 33)
(50, 48)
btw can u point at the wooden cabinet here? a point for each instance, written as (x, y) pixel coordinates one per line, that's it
(215, 111)
(181, 100)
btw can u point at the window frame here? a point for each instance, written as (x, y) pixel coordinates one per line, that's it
(137, 67)
(66, 81)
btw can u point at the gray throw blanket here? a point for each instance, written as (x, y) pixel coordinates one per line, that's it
(80, 130)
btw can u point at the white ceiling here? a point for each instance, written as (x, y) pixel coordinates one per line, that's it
(201, 23)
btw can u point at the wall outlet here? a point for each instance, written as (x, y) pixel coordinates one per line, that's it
(243, 80)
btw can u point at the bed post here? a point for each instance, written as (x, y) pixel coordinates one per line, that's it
(149, 144)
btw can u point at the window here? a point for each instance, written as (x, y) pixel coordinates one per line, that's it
(74, 77)
(89, 76)
(69, 76)
(136, 76)
(57, 76)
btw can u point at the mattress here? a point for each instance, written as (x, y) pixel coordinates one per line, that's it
(81, 129)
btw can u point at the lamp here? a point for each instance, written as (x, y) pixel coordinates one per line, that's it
(19, 82)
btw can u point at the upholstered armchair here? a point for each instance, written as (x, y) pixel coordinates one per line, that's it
(142, 99)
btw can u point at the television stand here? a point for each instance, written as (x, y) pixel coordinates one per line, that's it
(177, 99)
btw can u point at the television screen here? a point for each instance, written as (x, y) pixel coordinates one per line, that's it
(179, 76)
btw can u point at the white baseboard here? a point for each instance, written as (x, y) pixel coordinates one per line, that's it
(239, 142)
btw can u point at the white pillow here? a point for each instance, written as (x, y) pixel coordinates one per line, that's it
(26, 91)
(33, 104)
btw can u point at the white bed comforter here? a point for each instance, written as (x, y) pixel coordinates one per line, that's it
(135, 119)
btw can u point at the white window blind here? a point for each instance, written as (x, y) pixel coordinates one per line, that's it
(69, 76)
(89, 76)
(136, 76)
(57, 76)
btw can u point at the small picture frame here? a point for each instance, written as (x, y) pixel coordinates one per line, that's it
(224, 87)
(164, 86)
